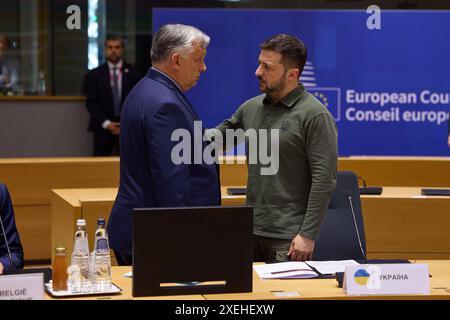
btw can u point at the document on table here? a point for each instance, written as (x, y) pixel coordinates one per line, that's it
(331, 267)
(285, 270)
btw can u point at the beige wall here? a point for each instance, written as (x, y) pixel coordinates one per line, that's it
(44, 128)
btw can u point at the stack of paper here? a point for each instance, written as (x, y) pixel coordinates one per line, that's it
(285, 270)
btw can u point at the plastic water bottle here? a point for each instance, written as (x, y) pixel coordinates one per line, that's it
(79, 269)
(101, 260)
(42, 89)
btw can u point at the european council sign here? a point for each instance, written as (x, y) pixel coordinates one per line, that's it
(388, 89)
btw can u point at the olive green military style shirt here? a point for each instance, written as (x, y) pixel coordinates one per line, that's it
(294, 200)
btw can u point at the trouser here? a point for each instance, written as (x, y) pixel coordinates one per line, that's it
(123, 259)
(270, 249)
(106, 144)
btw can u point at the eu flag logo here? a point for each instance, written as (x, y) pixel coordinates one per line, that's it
(330, 98)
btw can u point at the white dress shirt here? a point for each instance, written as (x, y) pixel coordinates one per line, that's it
(111, 66)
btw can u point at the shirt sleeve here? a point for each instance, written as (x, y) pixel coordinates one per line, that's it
(219, 133)
(234, 122)
(322, 156)
(105, 124)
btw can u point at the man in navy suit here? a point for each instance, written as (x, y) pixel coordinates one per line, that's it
(11, 256)
(106, 87)
(154, 109)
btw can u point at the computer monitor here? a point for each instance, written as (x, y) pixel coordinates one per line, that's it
(192, 250)
(436, 192)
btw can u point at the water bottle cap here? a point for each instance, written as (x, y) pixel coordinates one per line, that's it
(81, 222)
(60, 250)
(101, 222)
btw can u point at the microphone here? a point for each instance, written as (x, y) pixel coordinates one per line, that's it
(363, 181)
(369, 190)
(349, 197)
(6, 242)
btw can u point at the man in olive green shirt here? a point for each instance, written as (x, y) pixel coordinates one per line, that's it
(290, 204)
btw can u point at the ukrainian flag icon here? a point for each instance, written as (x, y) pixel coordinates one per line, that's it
(361, 277)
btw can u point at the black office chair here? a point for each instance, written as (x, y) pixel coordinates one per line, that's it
(339, 238)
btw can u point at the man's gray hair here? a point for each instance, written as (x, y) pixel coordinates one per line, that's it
(174, 37)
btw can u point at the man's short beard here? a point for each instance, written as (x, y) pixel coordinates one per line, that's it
(277, 86)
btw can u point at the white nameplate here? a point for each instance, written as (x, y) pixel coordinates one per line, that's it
(22, 286)
(387, 279)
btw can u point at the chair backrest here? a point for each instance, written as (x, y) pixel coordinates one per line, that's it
(338, 238)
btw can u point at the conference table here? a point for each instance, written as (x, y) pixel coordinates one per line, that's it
(296, 289)
(31, 181)
(399, 224)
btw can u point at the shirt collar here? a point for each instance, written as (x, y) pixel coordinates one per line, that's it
(118, 65)
(170, 78)
(290, 99)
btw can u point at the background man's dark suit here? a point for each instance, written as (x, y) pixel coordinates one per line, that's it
(99, 102)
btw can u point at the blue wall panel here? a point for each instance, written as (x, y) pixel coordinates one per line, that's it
(410, 55)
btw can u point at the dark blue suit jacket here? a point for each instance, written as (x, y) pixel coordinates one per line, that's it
(12, 235)
(148, 177)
